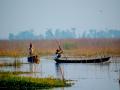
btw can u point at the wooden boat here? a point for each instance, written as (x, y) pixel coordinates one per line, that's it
(33, 59)
(82, 60)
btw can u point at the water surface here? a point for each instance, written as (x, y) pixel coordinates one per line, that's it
(86, 76)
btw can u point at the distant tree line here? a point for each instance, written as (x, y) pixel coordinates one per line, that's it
(25, 35)
(101, 34)
(65, 34)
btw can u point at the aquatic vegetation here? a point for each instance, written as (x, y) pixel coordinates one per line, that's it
(18, 82)
(16, 63)
(7, 73)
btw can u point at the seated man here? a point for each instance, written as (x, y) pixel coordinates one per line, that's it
(58, 53)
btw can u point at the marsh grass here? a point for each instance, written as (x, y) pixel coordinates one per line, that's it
(18, 82)
(75, 47)
(12, 53)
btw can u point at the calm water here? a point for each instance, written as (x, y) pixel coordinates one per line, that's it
(103, 76)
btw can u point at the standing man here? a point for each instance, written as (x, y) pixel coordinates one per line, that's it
(31, 50)
(58, 53)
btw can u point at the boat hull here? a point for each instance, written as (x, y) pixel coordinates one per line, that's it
(33, 59)
(95, 60)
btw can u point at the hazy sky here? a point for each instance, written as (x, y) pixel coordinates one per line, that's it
(20, 15)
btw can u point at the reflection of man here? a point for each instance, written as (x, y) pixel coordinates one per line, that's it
(58, 53)
(31, 67)
(30, 50)
(59, 71)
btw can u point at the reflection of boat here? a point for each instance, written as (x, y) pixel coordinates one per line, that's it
(33, 59)
(81, 60)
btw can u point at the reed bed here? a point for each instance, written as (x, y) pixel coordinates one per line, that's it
(75, 47)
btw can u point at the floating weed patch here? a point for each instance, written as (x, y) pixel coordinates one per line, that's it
(16, 63)
(2, 73)
(17, 82)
